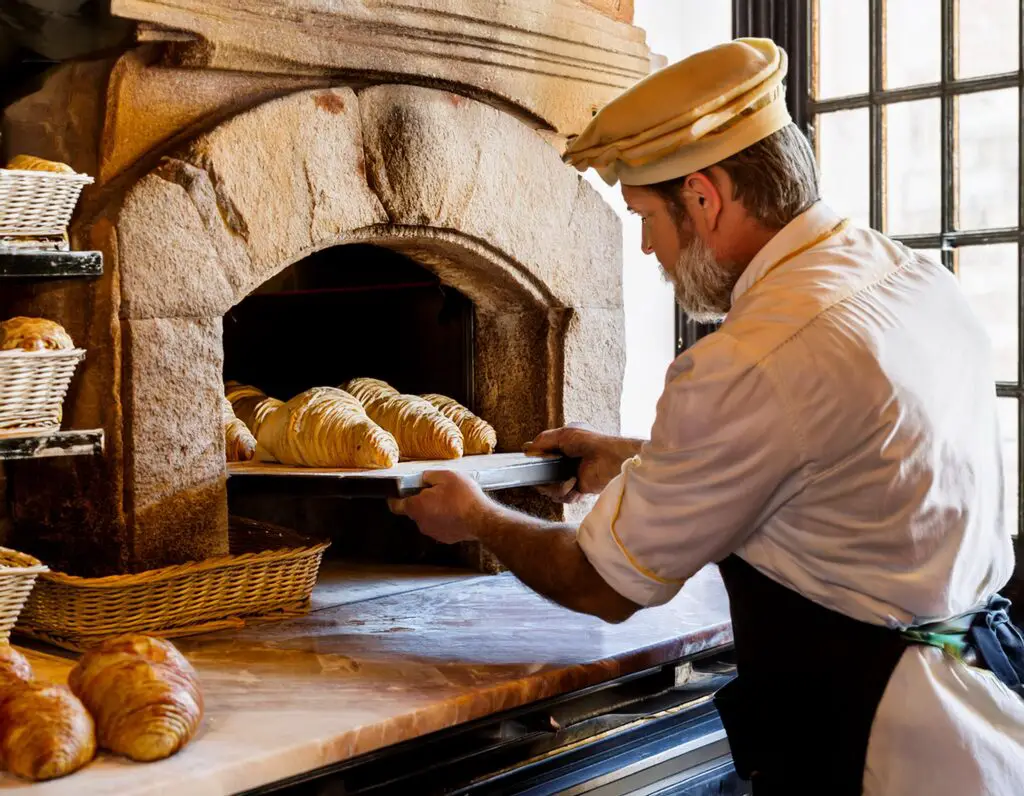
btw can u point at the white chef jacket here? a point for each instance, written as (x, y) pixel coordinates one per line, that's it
(839, 433)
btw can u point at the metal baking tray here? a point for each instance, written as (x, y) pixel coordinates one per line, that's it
(492, 471)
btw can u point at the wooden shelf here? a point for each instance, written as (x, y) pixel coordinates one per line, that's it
(59, 443)
(492, 472)
(31, 264)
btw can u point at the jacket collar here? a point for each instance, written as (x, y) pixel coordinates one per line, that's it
(813, 223)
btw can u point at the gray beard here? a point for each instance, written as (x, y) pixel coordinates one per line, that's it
(703, 288)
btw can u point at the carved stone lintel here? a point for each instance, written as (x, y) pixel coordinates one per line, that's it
(554, 61)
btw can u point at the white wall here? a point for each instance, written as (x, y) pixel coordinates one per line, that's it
(675, 29)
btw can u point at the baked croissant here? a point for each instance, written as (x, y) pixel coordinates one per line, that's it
(143, 694)
(14, 667)
(421, 430)
(250, 405)
(45, 731)
(239, 443)
(32, 163)
(478, 435)
(367, 390)
(33, 334)
(327, 427)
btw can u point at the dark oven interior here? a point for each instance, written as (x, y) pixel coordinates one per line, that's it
(347, 311)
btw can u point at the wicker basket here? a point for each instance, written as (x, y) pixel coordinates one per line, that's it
(32, 388)
(270, 573)
(38, 204)
(18, 573)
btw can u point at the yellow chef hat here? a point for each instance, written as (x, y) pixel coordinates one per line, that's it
(687, 116)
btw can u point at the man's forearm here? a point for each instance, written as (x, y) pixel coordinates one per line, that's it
(545, 556)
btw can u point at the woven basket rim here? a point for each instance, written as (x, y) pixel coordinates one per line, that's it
(30, 565)
(84, 179)
(19, 353)
(190, 567)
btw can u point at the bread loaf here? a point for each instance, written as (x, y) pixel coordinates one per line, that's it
(478, 435)
(239, 443)
(143, 694)
(326, 427)
(32, 163)
(45, 731)
(421, 430)
(33, 334)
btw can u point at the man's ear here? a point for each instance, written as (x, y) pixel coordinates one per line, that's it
(705, 198)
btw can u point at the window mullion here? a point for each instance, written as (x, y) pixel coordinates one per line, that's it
(876, 113)
(948, 145)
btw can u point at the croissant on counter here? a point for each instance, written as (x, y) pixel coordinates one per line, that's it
(327, 427)
(45, 731)
(250, 405)
(478, 435)
(143, 694)
(33, 334)
(239, 443)
(421, 430)
(14, 667)
(32, 163)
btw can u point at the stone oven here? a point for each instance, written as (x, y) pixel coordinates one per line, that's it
(246, 150)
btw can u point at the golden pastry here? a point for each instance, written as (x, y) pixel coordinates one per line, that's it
(143, 694)
(250, 405)
(239, 443)
(33, 334)
(326, 427)
(14, 667)
(478, 435)
(367, 390)
(32, 163)
(45, 731)
(421, 430)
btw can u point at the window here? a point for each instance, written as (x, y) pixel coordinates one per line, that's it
(914, 109)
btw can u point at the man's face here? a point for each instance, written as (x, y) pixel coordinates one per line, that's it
(703, 287)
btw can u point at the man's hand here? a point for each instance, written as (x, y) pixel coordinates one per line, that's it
(602, 457)
(451, 509)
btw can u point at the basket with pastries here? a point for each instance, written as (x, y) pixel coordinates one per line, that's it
(37, 198)
(37, 361)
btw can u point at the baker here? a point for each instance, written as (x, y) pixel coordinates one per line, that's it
(833, 446)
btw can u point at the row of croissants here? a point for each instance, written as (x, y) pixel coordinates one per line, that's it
(365, 423)
(135, 696)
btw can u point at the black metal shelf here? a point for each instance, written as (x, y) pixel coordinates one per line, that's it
(59, 443)
(36, 264)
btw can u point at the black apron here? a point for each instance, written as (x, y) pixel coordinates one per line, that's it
(809, 682)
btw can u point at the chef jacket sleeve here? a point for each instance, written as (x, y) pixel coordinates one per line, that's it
(721, 448)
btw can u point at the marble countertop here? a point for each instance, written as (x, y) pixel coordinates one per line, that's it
(384, 657)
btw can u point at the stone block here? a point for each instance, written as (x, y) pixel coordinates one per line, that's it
(289, 177)
(174, 440)
(439, 160)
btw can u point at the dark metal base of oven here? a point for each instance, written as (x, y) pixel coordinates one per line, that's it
(655, 733)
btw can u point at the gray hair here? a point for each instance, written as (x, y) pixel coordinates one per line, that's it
(775, 179)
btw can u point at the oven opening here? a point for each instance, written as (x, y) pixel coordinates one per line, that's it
(345, 312)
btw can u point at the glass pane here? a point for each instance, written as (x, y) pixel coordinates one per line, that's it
(843, 39)
(988, 37)
(988, 275)
(920, 22)
(932, 254)
(913, 198)
(988, 159)
(843, 152)
(1009, 435)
